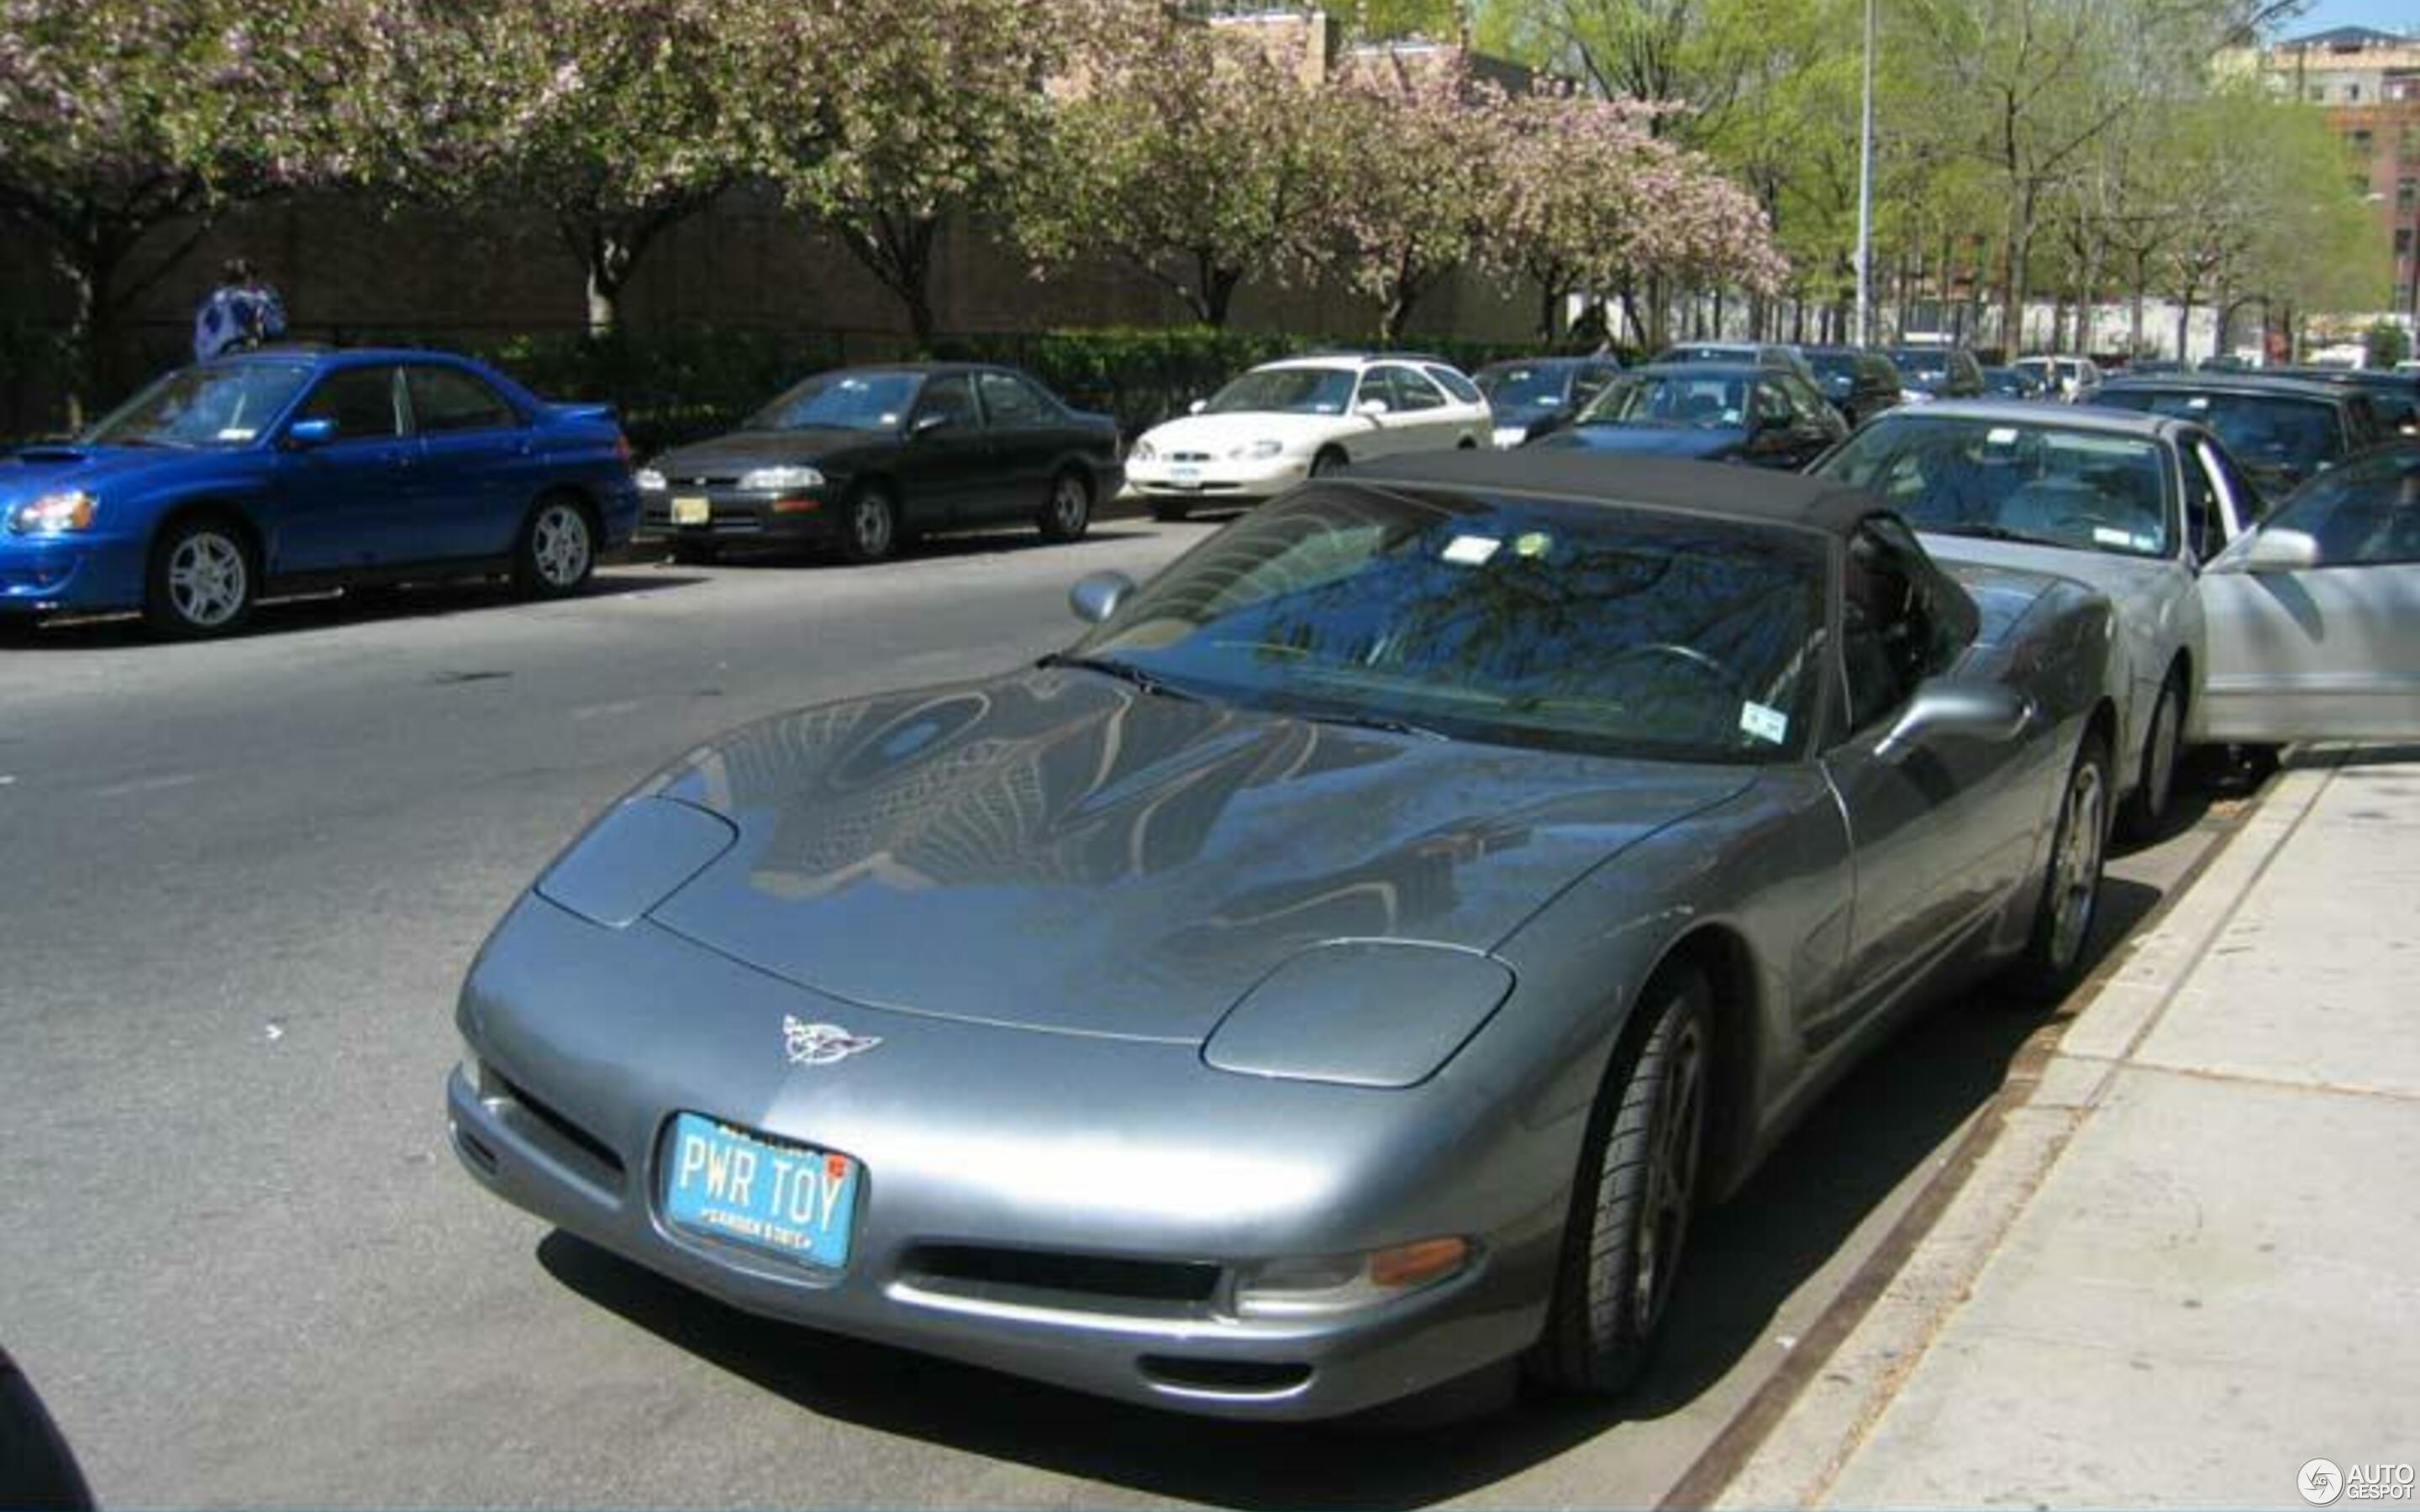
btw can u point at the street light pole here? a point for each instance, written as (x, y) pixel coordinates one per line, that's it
(1866, 196)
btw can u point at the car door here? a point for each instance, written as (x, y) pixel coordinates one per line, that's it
(1426, 418)
(344, 498)
(1027, 435)
(478, 467)
(945, 466)
(2313, 617)
(1938, 832)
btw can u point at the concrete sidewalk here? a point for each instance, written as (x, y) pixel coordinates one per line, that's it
(2190, 1263)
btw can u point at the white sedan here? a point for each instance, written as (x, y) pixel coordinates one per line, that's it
(1287, 420)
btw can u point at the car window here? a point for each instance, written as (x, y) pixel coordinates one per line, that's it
(445, 399)
(2042, 481)
(361, 401)
(1009, 400)
(1408, 390)
(1300, 391)
(1523, 387)
(1454, 383)
(1592, 381)
(2364, 514)
(951, 395)
(2281, 439)
(1884, 633)
(1811, 412)
(1509, 620)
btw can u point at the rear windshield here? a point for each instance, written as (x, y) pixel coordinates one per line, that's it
(2278, 438)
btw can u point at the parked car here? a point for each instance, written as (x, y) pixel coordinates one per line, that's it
(1860, 383)
(1778, 355)
(1366, 949)
(293, 468)
(2281, 430)
(2012, 383)
(2394, 396)
(1711, 411)
(1533, 397)
(2314, 615)
(2075, 379)
(2129, 503)
(1287, 420)
(866, 458)
(1938, 373)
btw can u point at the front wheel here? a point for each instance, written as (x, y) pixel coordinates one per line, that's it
(2071, 894)
(1637, 1193)
(1327, 461)
(557, 551)
(870, 532)
(1069, 511)
(201, 580)
(2155, 784)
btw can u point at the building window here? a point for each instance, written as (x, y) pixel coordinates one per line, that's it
(2361, 143)
(2352, 94)
(2403, 243)
(2407, 193)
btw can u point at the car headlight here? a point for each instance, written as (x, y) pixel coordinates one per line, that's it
(55, 514)
(1379, 1014)
(638, 855)
(1509, 437)
(1326, 1284)
(778, 480)
(1259, 451)
(651, 480)
(1145, 451)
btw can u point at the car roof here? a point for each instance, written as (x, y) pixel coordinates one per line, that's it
(1355, 361)
(1756, 495)
(2070, 417)
(1727, 368)
(1546, 362)
(2206, 382)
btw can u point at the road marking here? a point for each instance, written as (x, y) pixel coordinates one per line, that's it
(146, 784)
(598, 711)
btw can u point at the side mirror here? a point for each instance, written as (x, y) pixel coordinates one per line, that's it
(1372, 407)
(1096, 595)
(2280, 552)
(1967, 706)
(317, 432)
(1197, 407)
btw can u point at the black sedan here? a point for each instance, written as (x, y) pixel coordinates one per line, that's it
(863, 458)
(2280, 430)
(1536, 395)
(1706, 412)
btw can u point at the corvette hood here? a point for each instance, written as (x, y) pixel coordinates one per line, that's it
(1058, 850)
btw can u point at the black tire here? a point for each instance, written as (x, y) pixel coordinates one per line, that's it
(2154, 793)
(696, 553)
(1067, 514)
(869, 531)
(2070, 900)
(1638, 1186)
(1327, 460)
(1169, 511)
(557, 549)
(203, 580)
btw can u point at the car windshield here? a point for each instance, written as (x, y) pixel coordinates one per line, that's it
(1523, 388)
(2085, 490)
(1508, 621)
(223, 404)
(841, 401)
(1295, 391)
(1678, 400)
(1925, 368)
(2278, 438)
(1837, 370)
(2007, 380)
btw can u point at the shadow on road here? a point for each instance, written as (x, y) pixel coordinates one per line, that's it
(1006, 540)
(1866, 1139)
(335, 610)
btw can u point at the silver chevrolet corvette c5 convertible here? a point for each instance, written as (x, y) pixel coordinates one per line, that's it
(1344, 970)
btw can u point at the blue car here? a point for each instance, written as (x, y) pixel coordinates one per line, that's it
(291, 469)
(1706, 412)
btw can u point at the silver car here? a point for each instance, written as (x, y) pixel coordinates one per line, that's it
(2131, 504)
(1346, 970)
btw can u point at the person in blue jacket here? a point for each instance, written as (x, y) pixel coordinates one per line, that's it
(241, 312)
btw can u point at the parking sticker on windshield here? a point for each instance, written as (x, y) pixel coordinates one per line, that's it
(1472, 550)
(238, 433)
(1771, 726)
(2103, 535)
(2001, 436)
(1531, 544)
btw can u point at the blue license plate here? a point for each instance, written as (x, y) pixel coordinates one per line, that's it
(744, 1189)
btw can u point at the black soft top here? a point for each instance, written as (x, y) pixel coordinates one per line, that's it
(1719, 488)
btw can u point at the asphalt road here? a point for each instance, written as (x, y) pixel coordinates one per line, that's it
(243, 880)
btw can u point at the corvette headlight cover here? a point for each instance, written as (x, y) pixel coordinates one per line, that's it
(1361, 1013)
(638, 855)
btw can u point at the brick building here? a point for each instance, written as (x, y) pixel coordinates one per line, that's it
(2369, 83)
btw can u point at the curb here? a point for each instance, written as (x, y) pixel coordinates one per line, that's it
(1789, 1442)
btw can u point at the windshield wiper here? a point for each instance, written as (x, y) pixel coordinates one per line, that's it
(1984, 530)
(1123, 670)
(1375, 721)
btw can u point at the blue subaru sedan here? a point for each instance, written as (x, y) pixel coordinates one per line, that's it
(290, 468)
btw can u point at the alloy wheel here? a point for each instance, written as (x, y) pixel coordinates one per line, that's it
(2076, 876)
(559, 546)
(208, 581)
(1677, 1142)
